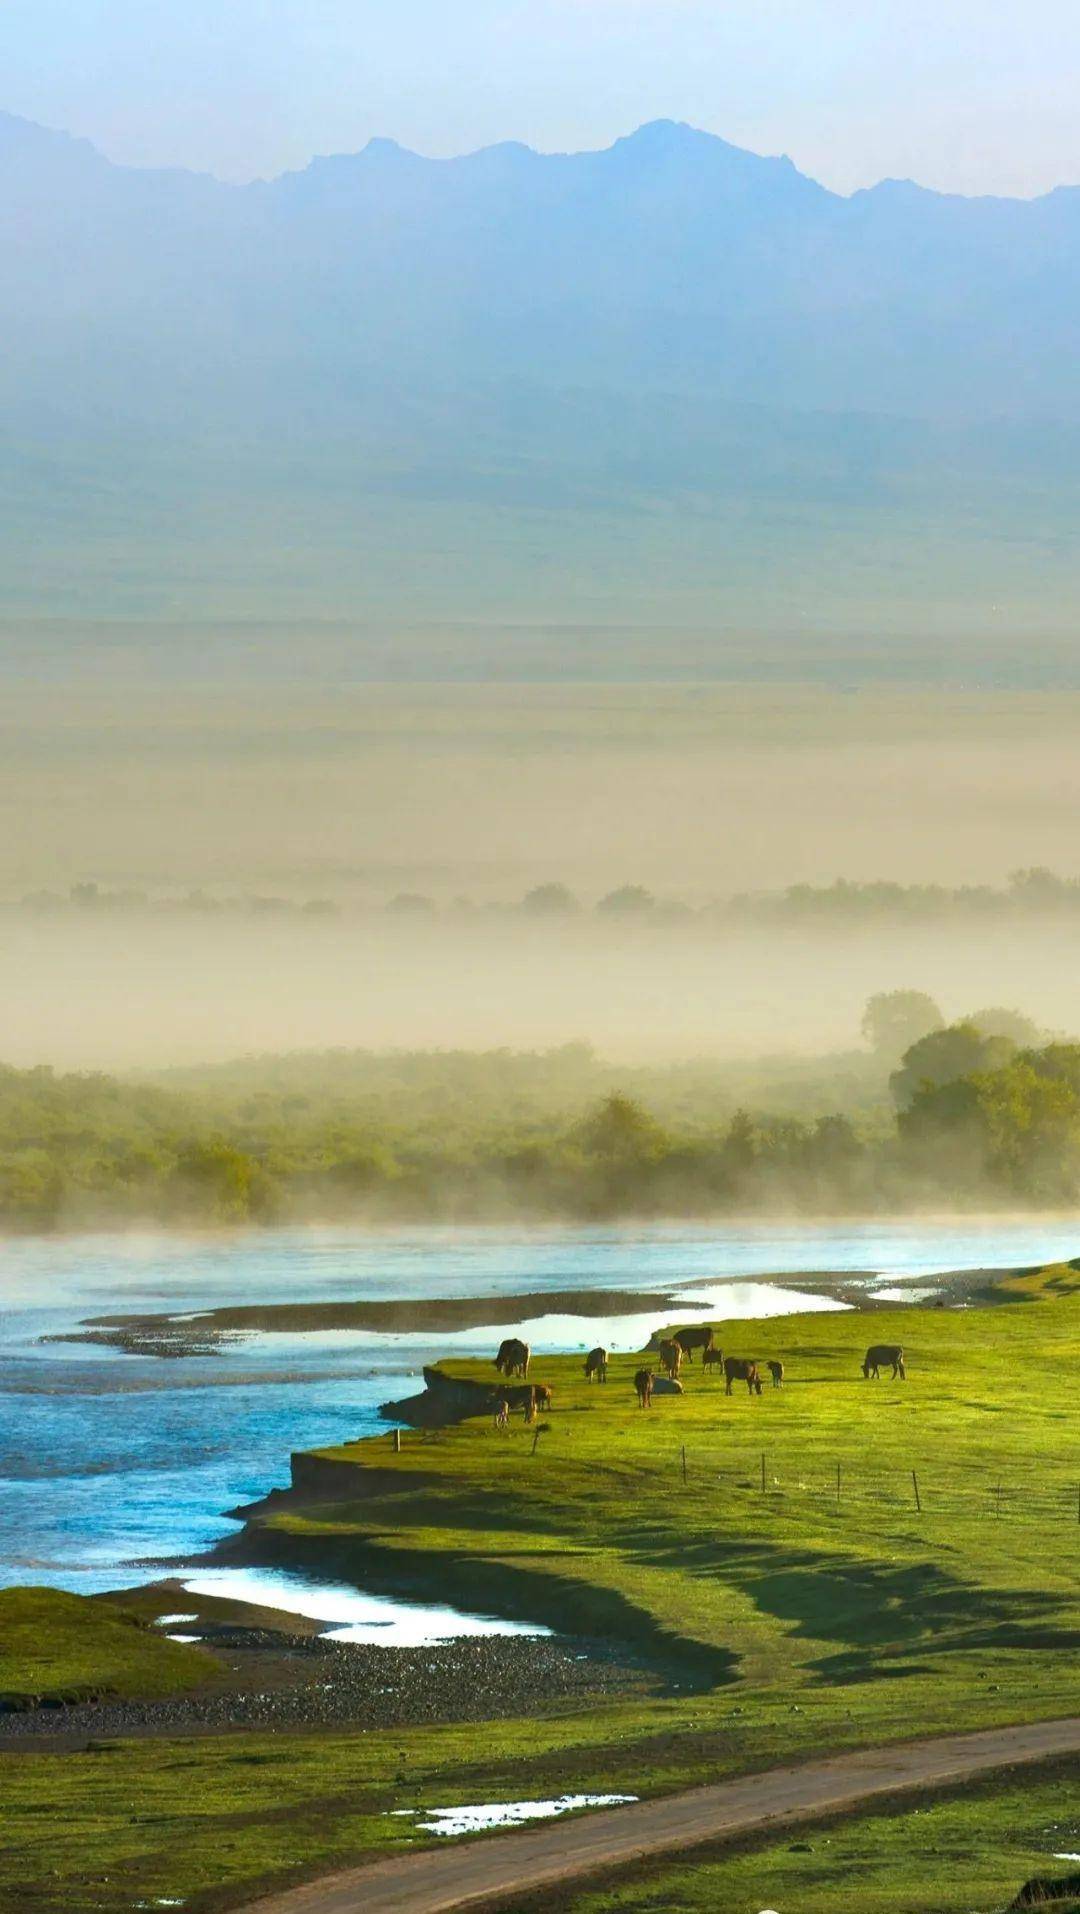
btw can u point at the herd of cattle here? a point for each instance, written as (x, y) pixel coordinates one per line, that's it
(531, 1397)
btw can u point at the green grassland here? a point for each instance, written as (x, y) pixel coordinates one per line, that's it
(779, 1622)
(59, 1647)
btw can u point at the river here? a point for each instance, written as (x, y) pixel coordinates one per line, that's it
(112, 1466)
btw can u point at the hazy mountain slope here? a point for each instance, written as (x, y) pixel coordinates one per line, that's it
(671, 378)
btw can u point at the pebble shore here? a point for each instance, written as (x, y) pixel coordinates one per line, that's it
(295, 1682)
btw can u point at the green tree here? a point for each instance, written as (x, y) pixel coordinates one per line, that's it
(1016, 1128)
(960, 1050)
(620, 1130)
(217, 1180)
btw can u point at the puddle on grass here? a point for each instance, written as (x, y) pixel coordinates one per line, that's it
(505, 1814)
(183, 1638)
(173, 1621)
(1067, 1857)
(354, 1616)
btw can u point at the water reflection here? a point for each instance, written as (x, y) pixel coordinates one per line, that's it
(354, 1615)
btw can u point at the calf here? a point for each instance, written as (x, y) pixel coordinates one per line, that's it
(712, 1358)
(643, 1383)
(670, 1358)
(776, 1371)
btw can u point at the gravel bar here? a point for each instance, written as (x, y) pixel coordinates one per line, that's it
(297, 1682)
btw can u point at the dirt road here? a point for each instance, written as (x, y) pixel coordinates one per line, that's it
(487, 1870)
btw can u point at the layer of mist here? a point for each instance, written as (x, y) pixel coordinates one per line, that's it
(359, 857)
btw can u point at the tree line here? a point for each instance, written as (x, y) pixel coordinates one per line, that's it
(967, 1115)
(1033, 892)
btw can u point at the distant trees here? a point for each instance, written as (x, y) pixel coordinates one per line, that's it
(550, 900)
(411, 904)
(630, 900)
(997, 1021)
(895, 1019)
(460, 1135)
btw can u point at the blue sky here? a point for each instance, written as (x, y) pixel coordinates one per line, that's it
(968, 95)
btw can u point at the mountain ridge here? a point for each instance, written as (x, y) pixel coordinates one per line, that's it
(670, 370)
(651, 136)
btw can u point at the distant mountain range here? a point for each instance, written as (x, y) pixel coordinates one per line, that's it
(667, 382)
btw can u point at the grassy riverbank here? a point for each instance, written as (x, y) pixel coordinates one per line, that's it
(825, 1543)
(56, 1647)
(785, 1616)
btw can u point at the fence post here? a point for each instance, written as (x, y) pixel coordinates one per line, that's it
(397, 1441)
(763, 1475)
(684, 1462)
(918, 1499)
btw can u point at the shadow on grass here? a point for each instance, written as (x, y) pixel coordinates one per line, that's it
(877, 1611)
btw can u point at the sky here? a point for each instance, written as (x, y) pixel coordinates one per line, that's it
(968, 96)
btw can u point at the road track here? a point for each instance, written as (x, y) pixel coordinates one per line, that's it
(487, 1871)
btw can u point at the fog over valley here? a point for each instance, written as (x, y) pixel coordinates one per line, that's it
(306, 865)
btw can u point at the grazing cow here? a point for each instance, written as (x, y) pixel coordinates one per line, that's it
(740, 1369)
(776, 1371)
(596, 1365)
(502, 1413)
(541, 1398)
(670, 1358)
(881, 1353)
(696, 1336)
(712, 1358)
(513, 1357)
(643, 1383)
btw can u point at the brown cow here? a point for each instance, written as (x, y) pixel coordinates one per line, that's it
(739, 1369)
(670, 1358)
(541, 1398)
(881, 1353)
(596, 1365)
(513, 1357)
(521, 1396)
(776, 1371)
(712, 1358)
(643, 1383)
(696, 1336)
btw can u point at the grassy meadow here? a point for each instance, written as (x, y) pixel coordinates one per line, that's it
(768, 1549)
(783, 1620)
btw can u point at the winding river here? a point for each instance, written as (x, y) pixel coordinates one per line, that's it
(116, 1467)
